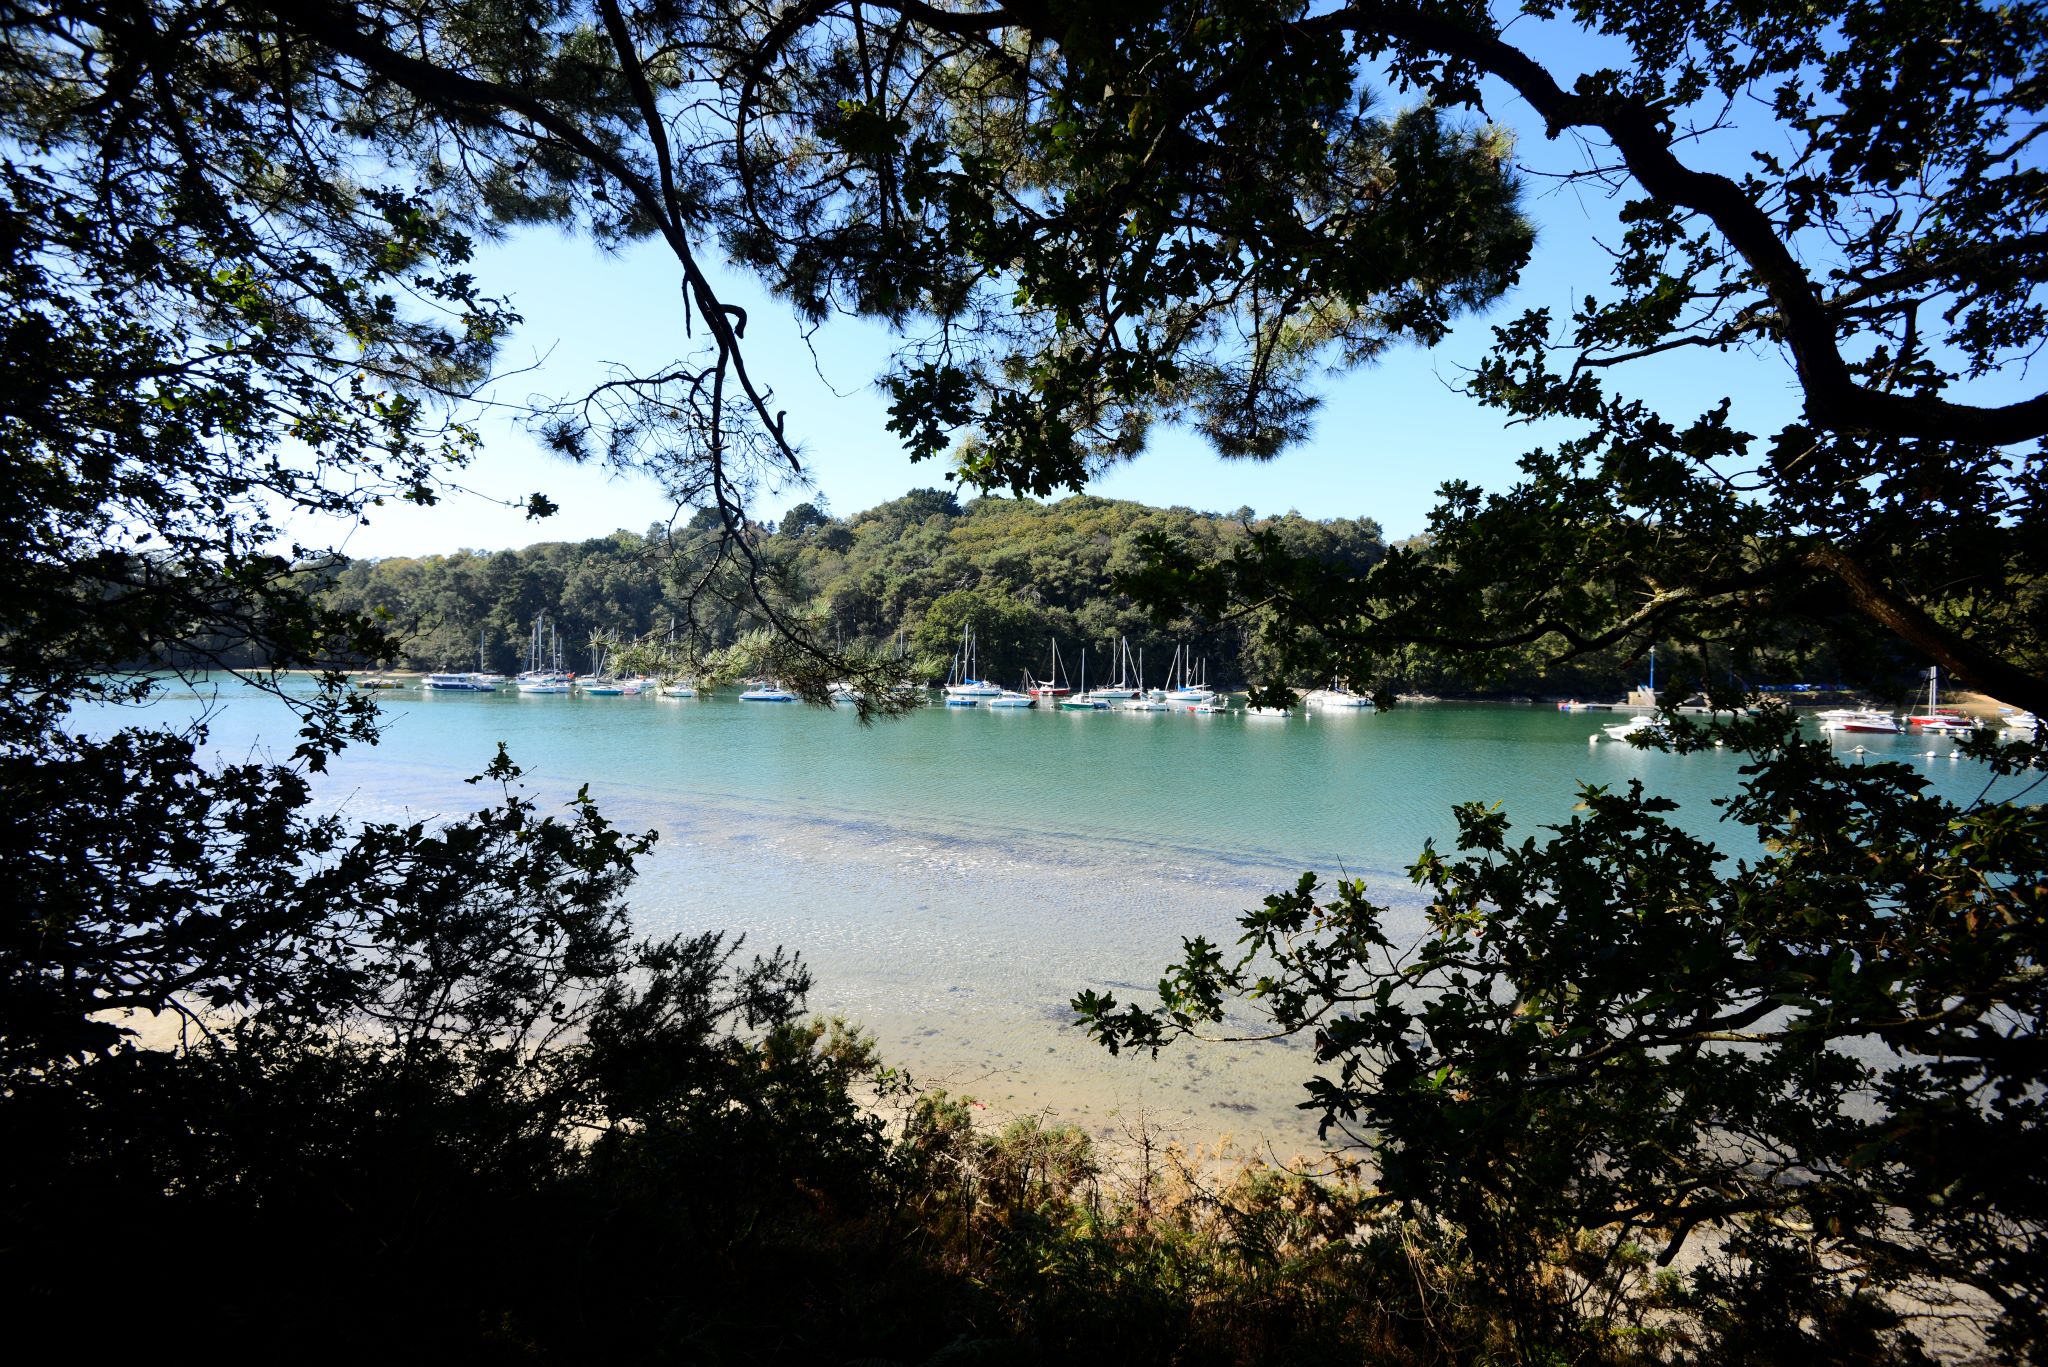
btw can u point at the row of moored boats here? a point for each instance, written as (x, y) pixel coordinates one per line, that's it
(1931, 720)
(1186, 689)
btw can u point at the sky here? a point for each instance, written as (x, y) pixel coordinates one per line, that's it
(1386, 437)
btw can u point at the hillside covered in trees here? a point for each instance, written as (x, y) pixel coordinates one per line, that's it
(902, 576)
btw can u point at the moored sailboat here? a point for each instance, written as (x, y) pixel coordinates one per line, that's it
(1013, 698)
(1084, 701)
(1123, 690)
(1936, 720)
(543, 673)
(1050, 686)
(962, 688)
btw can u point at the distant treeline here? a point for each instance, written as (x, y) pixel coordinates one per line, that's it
(904, 575)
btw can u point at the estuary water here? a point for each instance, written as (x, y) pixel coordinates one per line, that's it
(954, 877)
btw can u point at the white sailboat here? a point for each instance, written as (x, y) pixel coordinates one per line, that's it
(483, 673)
(543, 675)
(1013, 698)
(1194, 693)
(1142, 700)
(601, 684)
(1084, 701)
(963, 689)
(1122, 690)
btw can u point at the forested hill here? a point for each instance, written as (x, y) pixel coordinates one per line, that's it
(910, 570)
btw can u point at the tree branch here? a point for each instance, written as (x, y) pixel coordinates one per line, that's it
(1833, 398)
(1913, 625)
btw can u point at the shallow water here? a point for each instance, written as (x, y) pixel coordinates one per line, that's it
(955, 877)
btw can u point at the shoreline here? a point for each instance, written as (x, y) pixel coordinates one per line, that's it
(1962, 700)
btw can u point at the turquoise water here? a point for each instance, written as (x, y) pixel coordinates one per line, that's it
(955, 876)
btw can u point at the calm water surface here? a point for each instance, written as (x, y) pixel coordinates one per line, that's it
(954, 877)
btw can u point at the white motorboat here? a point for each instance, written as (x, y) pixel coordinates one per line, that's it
(678, 689)
(1865, 721)
(767, 692)
(1269, 713)
(1626, 731)
(458, 683)
(1336, 698)
(478, 680)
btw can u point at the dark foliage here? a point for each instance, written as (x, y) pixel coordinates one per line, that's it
(234, 291)
(1826, 1052)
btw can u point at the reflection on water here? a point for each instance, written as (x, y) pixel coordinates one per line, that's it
(953, 879)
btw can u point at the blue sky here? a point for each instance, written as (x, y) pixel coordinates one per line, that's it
(1386, 437)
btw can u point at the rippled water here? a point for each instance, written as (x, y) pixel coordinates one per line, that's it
(954, 877)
